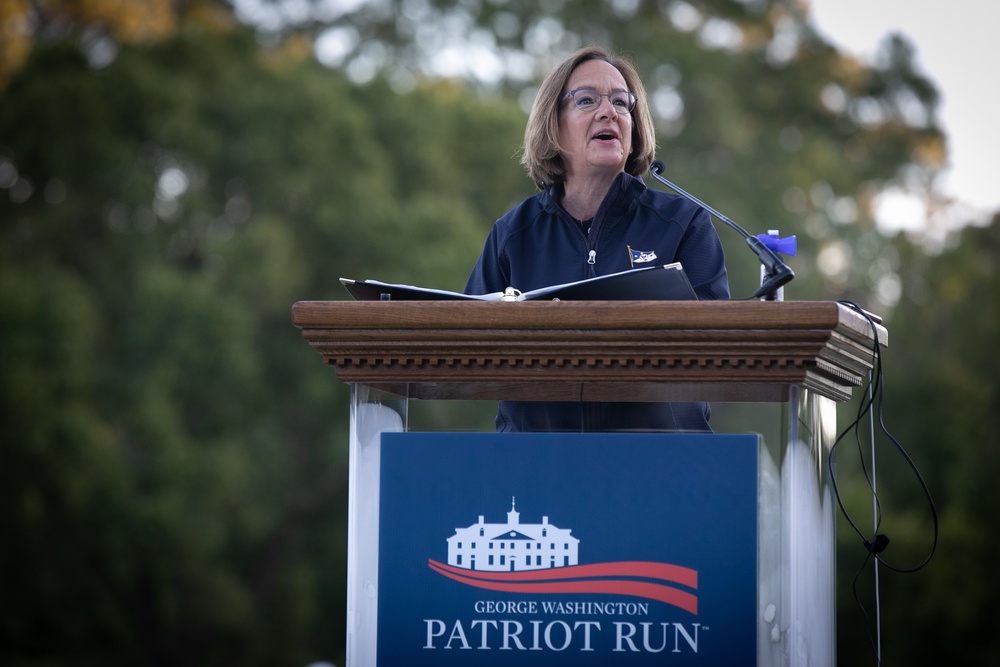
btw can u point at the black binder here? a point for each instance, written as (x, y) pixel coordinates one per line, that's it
(666, 282)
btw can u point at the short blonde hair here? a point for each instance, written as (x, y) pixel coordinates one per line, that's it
(542, 155)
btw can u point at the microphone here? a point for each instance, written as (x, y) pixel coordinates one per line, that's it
(777, 273)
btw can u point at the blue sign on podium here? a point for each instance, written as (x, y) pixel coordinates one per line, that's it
(567, 549)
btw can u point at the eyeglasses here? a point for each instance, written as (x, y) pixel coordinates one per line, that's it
(588, 99)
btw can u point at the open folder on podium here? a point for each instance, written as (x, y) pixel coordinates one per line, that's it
(665, 282)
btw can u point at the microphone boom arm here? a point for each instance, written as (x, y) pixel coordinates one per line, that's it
(777, 273)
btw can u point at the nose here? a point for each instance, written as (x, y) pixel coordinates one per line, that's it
(605, 109)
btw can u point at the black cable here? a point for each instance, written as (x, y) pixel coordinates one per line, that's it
(861, 606)
(874, 401)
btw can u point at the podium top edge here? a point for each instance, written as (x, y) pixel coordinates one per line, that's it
(607, 315)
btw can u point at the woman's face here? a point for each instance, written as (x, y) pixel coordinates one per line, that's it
(598, 141)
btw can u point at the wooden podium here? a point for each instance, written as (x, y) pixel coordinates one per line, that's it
(801, 356)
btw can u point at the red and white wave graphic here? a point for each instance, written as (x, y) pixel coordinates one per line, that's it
(654, 581)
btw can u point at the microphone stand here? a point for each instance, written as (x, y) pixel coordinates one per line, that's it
(776, 272)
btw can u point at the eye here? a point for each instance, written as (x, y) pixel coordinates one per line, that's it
(620, 100)
(585, 97)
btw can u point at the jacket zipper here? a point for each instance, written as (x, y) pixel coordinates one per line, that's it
(592, 253)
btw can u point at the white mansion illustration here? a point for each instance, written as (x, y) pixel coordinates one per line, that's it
(512, 546)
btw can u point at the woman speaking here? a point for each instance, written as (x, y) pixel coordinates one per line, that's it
(589, 139)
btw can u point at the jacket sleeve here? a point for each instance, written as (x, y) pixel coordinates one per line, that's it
(700, 252)
(491, 273)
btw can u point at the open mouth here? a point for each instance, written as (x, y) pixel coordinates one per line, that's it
(606, 136)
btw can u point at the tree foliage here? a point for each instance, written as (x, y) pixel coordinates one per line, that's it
(945, 386)
(174, 464)
(99, 26)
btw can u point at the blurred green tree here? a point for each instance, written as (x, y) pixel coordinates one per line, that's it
(98, 25)
(173, 484)
(943, 406)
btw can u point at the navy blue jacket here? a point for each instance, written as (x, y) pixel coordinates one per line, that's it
(538, 244)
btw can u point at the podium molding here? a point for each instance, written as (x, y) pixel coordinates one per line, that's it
(594, 351)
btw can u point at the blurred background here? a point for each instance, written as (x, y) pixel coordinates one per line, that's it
(175, 174)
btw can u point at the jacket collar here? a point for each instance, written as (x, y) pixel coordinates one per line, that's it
(622, 196)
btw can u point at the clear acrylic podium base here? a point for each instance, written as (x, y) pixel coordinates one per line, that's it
(796, 586)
